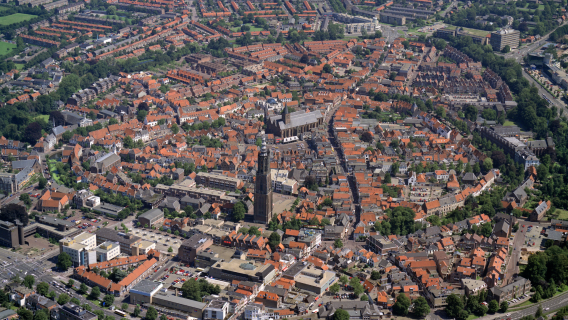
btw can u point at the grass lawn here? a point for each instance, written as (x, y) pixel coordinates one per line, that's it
(238, 29)
(562, 214)
(45, 117)
(472, 316)
(6, 47)
(508, 123)
(20, 66)
(476, 32)
(16, 17)
(3, 9)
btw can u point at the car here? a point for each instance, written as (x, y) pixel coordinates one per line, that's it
(546, 309)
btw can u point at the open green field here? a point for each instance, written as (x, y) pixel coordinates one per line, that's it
(475, 32)
(20, 66)
(238, 29)
(508, 123)
(45, 117)
(561, 214)
(6, 47)
(4, 9)
(15, 18)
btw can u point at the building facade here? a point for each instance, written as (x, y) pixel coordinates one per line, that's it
(263, 187)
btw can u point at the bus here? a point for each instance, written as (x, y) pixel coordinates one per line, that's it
(120, 313)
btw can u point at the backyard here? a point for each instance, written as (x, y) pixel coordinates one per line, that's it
(6, 47)
(15, 18)
(238, 29)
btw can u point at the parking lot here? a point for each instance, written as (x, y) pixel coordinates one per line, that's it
(533, 238)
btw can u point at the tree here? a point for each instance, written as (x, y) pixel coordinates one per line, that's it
(111, 10)
(343, 279)
(163, 317)
(13, 211)
(327, 68)
(421, 308)
(26, 314)
(124, 306)
(70, 283)
(170, 249)
(108, 300)
(42, 182)
(334, 288)
(364, 297)
(274, 240)
(83, 288)
(137, 311)
(141, 115)
(367, 136)
(504, 306)
(338, 243)
(506, 49)
(32, 133)
(151, 314)
(42, 288)
(174, 128)
(63, 299)
(539, 312)
(542, 172)
(454, 305)
(340, 314)
(29, 281)
(40, 315)
(95, 293)
(387, 178)
(64, 261)
(493, 306)
(375, 275)
(487, 164)
(498, 158)
(239, 211)
(400, 307)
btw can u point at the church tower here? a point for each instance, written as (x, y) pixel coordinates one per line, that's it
(263, 187)
(286, 115)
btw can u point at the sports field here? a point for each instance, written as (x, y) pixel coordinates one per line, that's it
(6, 47)
(15, 18)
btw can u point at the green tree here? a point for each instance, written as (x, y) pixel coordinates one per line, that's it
(504, 306)
(64, 261)
(364, 297)
(539, 312)
(327, 69)
(42, 182)
(338, 243)
(70, 283)
(454, 305)
(95, 293)
(29, 281)
(401, 305)
(334, 288)
(25, 314)
(375, 275)
(83, 288)
(174, 128)
(43, 288)
(151, 314)
(343, 279)
(274, 240)
(421, 308)
(40, 315)
(63, 299)
(340, 314)
(170, 249)
(239, 211)
(137, 311)
(387, 178)
(124, 306)
(108, 300)
(493, 306)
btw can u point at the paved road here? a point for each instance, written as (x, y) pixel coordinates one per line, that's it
(541, 91)
(553, 304)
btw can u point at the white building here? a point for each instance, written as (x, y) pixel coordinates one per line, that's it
(78, 247)
(107, 251)
(216, 310)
